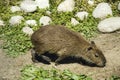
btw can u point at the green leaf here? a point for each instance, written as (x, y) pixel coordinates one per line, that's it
(75, 77)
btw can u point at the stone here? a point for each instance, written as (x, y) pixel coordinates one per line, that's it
(45, 20)
(48, 12)
(28, 6)
(42, 3)
(74, 21)
(102, 11)
(82, 15)
(15, 8)
(119, 6)
(2, 23)
(91, 2)
(66, 6)
(109, 25)
(15, 20)
(27, 30)
(31, 22)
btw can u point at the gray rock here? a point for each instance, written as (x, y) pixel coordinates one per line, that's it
(27, 30)
(66, 6)
(2, 23)
(74, 21)
(102, 11)
(31, 22)
(91, 2)
(42, 3)
(109, 25)
(15, 8)
(45, 20)
(28, 6)
(48, 12)
(119, 6)
(82, 15)
(15, 20)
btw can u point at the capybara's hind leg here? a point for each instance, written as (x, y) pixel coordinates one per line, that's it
(33, 53)
(46, 58)
(59, 59)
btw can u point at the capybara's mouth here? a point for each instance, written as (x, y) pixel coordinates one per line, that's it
(88, 63)
(92, 64)
(103, 64)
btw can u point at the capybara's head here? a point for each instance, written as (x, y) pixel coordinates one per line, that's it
(93, 55)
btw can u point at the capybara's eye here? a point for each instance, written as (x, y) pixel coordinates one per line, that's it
(90, 48)
(96, 55)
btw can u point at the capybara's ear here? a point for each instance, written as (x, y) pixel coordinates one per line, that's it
(89, 48)
(92, 42)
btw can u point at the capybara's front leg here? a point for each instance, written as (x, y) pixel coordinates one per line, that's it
(59, 59)
(46, 58)
(33, 53)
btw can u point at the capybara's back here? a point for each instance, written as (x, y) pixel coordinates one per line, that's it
(64, 42)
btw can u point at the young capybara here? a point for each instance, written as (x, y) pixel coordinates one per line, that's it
(57, 39)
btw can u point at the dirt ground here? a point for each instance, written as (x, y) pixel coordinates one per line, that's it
(109, 44)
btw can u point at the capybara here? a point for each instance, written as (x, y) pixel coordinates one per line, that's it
(57, 39)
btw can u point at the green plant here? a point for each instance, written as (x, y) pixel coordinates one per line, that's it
(16, 42)
(31, 72)
(88, 27)
(115, 78)
(34, 73)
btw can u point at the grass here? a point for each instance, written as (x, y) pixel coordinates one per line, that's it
(31, 72)
(16, 42)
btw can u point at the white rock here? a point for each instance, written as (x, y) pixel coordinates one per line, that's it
(102, 11)
(67, 5)
(74, 21)
(42, 3)
(119, 6)
(28, 6)
(109, 24)
(82, 15)
(31, 22)
(45, 20)
(27, 30)
(48, 12)
(15, 8)
(91, 2)
(2, 23)
(15, 20)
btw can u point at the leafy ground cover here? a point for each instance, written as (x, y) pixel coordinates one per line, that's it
(34, 73)
(31, 72)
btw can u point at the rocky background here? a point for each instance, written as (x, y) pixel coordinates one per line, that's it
(102, 11)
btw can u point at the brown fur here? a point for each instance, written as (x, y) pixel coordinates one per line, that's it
(64, 42)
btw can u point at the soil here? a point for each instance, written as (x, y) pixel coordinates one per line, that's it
(109, 44)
